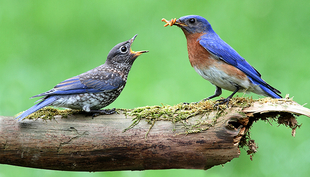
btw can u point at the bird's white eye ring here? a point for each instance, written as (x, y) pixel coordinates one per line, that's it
(123, 49)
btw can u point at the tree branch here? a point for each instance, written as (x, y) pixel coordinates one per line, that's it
(162, 137)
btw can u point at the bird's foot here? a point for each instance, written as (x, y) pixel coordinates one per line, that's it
(102, 112)
(222, 101)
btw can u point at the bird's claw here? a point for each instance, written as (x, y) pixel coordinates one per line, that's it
(171, 22)
(222, 101)
(108, 111)
(102, 112)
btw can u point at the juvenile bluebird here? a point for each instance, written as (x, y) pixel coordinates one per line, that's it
(217, 62)
(94, 89)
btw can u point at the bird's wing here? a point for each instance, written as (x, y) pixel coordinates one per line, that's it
(82, 84)
(221, 50)
(103, 82)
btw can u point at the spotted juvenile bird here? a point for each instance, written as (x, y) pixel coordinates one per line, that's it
(217, 62)
(94, 89)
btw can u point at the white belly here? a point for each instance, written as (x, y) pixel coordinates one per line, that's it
(221, 79)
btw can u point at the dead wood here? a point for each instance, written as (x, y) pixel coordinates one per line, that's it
(162, 137)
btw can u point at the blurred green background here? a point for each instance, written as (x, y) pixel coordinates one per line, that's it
(45, 42)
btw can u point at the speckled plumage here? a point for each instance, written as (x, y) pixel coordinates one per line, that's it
(94, 89)
(88, 101)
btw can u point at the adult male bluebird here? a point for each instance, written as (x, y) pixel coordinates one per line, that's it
(94, 89)
(217, 62)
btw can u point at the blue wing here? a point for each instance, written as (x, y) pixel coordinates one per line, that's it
(67, 87)
(86, 83)
(103, 82)
(221, 50)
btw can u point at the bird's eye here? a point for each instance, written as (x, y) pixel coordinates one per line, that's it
(192, 20)
(123, 49)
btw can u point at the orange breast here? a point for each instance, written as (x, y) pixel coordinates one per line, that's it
(200, 58)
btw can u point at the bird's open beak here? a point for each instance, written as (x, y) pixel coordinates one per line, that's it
(136, 54)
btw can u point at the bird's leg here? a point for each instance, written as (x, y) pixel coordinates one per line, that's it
(226, 100)
(217, 93)
(102, 112)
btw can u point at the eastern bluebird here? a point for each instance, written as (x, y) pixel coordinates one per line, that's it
(94, 89)
(217, 62)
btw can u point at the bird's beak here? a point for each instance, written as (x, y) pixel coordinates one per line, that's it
(136, 54)
(133, 38)
(179, 23)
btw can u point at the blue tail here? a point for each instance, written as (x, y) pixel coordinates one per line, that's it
(45, 102)
(269, 90)
(272, 92)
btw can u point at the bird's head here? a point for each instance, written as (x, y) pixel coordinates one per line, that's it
(191, 24)
(122, 54)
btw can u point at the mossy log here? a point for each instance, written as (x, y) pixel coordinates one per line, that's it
(195, 136)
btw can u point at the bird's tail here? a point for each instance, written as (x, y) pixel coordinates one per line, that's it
(271, 91)
(45, 102)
